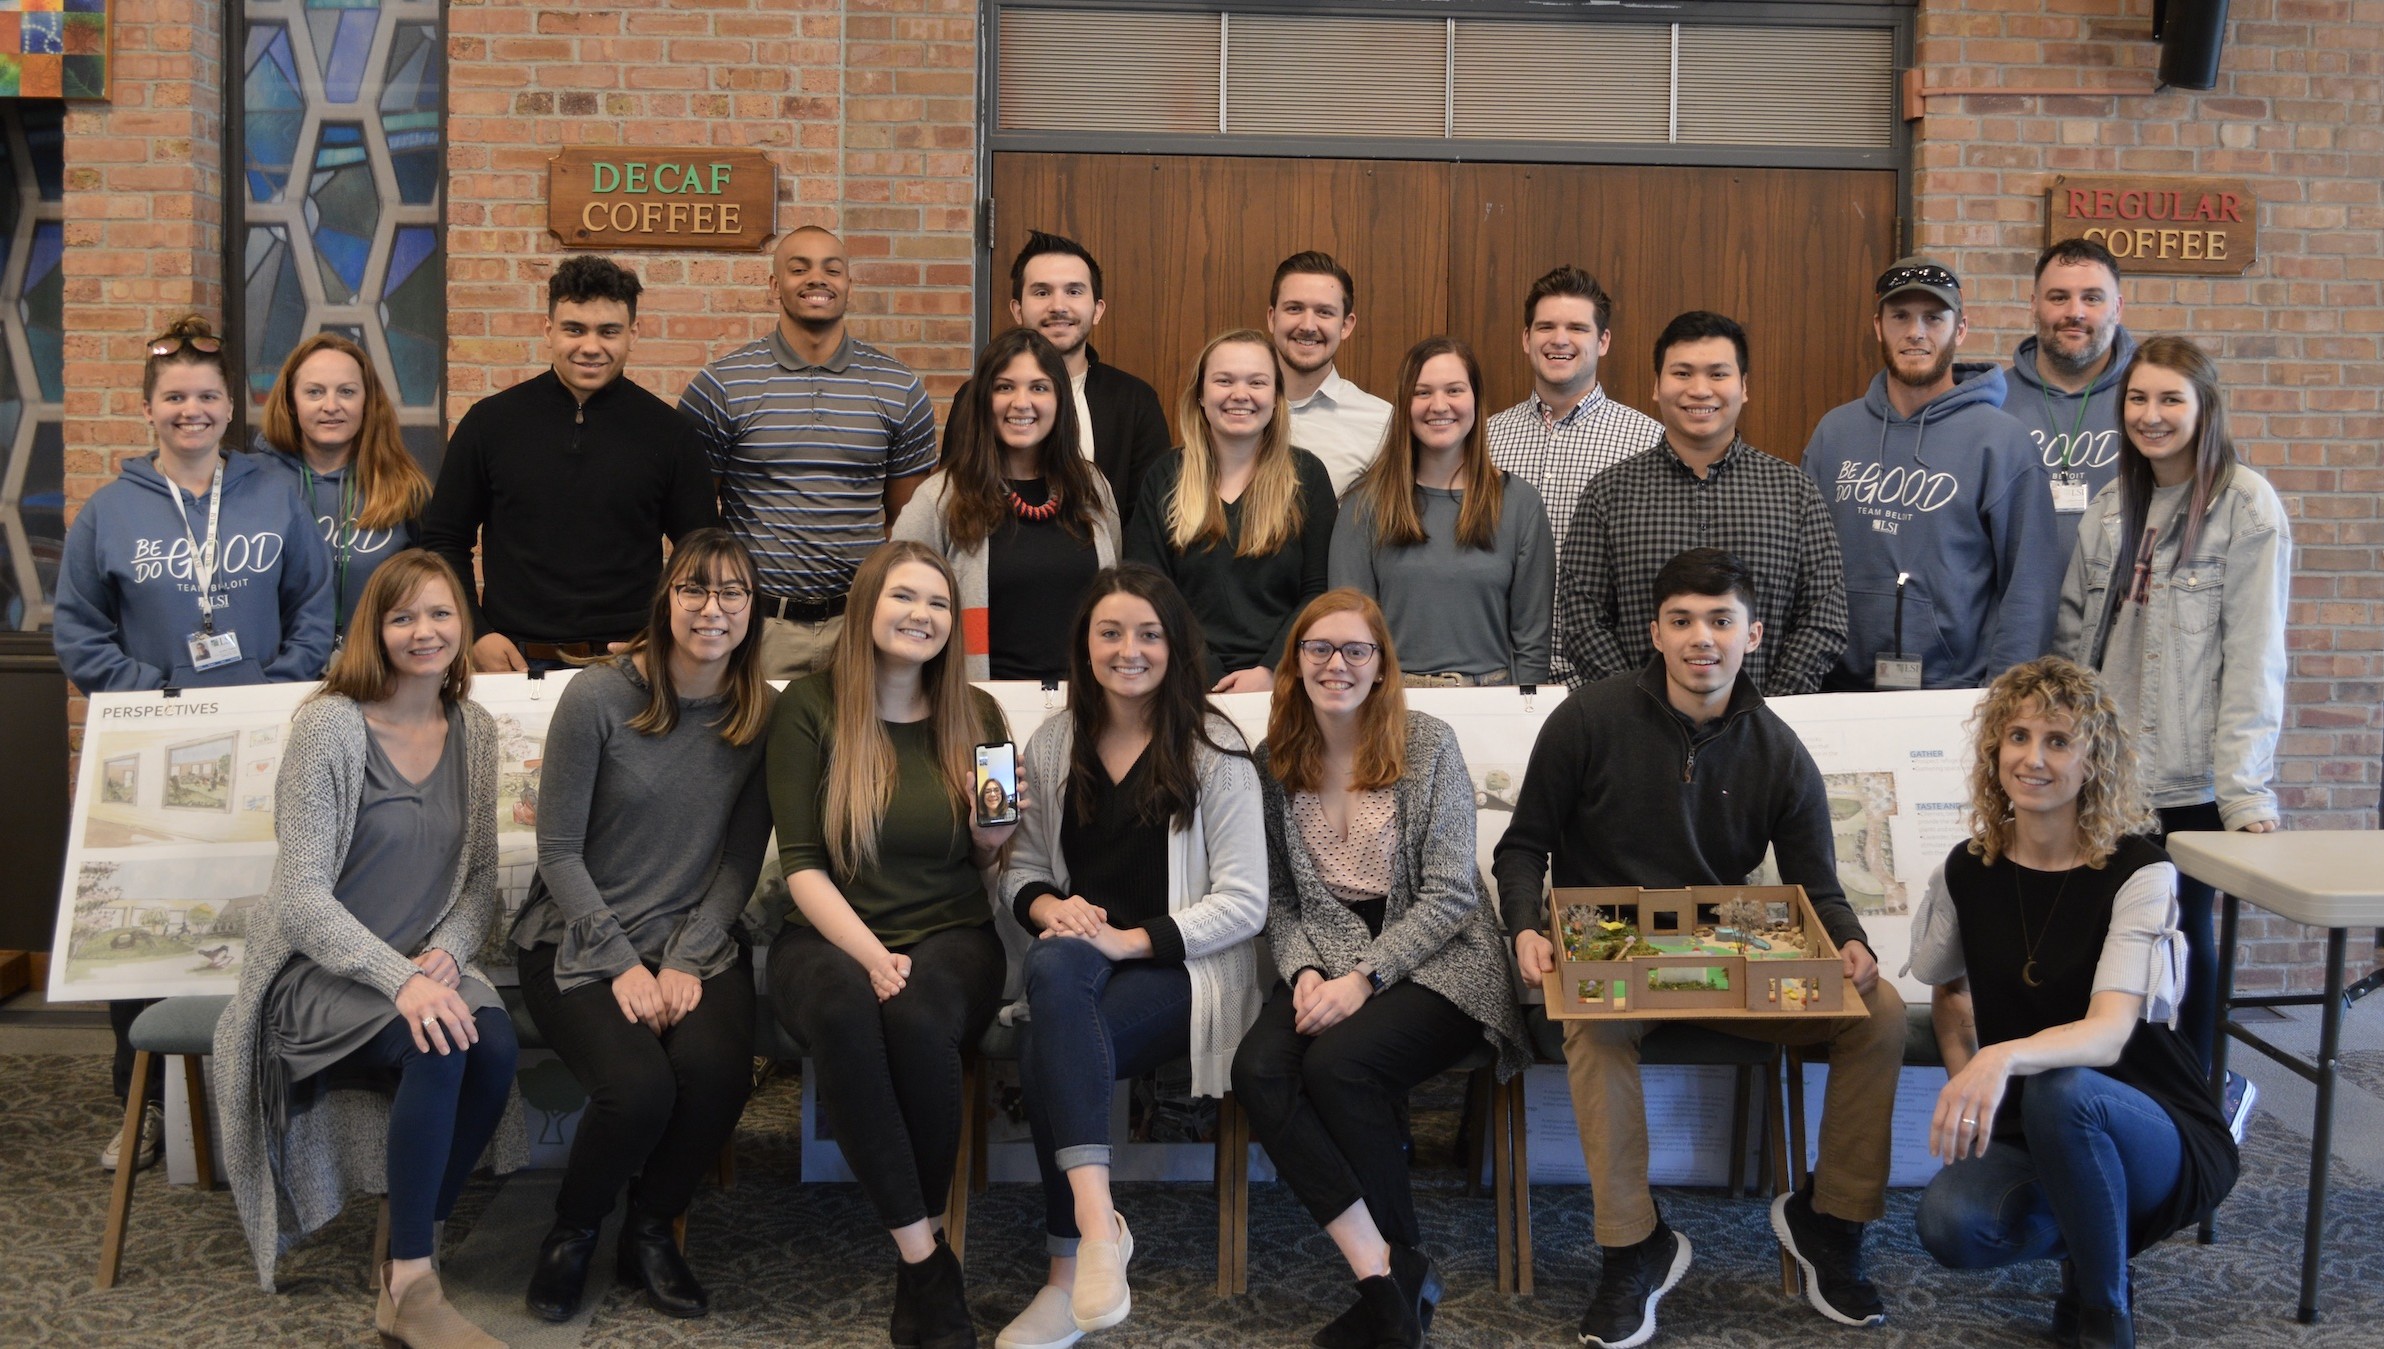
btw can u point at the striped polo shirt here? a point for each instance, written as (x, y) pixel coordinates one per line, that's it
(803, 453)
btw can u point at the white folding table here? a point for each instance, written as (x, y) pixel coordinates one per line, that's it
(2325, 878)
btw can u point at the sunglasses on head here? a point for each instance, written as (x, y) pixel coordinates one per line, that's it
(1918, 276)
(167, 346)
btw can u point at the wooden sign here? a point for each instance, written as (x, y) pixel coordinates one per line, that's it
(2197, 226)
(605, 196)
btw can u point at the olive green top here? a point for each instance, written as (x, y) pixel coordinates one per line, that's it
(923, 882)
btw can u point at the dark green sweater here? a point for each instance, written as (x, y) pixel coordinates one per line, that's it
(923, 882)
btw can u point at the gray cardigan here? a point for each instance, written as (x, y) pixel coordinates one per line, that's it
(1216, 882)
(1435, 929)
(923, 521)
(336, 1144)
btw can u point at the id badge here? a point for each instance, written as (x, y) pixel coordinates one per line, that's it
(1896, 672)
(2069, 493)
(211, 649)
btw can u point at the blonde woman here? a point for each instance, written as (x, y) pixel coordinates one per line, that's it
(329, 425)
(2075, 1124)
(890, 969)
(1458, 554)
(1239, 519)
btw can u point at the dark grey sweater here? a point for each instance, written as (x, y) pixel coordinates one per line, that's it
(648, 845)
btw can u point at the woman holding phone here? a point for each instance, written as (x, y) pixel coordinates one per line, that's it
(1141, 872)
(889, 968)
(360, 957)
(652, 821)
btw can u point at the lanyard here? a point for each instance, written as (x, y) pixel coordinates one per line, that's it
(2069, 448)
(344, 527)
(202, 556)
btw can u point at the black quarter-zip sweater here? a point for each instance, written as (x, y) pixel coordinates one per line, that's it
(1624, 790)
(570, 504)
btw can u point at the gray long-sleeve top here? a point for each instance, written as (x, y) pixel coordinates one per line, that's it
(1454, 609)
(648, 845)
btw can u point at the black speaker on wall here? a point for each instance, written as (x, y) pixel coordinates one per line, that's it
(2190, 33)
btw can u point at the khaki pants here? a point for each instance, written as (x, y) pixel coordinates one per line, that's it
(1865, 1057)
(791, 650)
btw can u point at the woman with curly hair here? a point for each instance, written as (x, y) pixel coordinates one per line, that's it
(2074, 1123)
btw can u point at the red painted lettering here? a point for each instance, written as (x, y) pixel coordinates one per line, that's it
(2232, 204)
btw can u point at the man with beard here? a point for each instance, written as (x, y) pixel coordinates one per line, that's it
(1953, 556)
(1055, 289)
(817, 438)
(1568, 431)
(1311, 311)
(2066, 377)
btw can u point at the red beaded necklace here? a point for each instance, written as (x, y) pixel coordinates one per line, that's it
(1034, 514)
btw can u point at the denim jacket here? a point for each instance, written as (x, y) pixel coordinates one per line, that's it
(2214, 645)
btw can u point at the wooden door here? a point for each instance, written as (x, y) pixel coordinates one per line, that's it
(1188, 244)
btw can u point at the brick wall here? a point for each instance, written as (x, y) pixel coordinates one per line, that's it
(2299, 110)
(867, 107)
(144, 226)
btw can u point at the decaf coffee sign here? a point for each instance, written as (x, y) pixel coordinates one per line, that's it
(2201, 226)
(633, 197)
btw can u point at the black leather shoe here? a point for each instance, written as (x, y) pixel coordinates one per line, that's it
(2106, 1328)
(1418, 1276)
(931, 1303)
(650, 1259)
(561, 1274)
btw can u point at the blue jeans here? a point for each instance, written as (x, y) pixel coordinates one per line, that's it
(440, 1120)
(1091, 1022)
(2197, 1011)
(2100, 1155)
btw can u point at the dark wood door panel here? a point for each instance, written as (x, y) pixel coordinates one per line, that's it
(1789, 253)
(1187, 246)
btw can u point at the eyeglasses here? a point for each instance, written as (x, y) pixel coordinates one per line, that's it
(167, 346)
(692, 597)
(1320, 652)
(1931, 275)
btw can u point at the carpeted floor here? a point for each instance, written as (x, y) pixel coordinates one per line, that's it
(798, 1264)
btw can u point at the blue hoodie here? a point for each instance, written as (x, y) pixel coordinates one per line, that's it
(127, 602)
(1955, 497)
(2079, 433)
(367, 548)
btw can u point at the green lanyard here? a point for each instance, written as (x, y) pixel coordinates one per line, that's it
(2069, 450)
(345, 528)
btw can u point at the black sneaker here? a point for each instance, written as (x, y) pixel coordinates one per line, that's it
(1830, 1250)
(1622, 1313)
(2237, 1105)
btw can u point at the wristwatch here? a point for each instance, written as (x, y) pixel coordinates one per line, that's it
(1373, 980)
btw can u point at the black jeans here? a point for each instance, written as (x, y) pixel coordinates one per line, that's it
(1327, 1106)
(2197, 1013)
(659, 1106)
(889, 1072)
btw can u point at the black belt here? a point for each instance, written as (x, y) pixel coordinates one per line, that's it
(798, 611)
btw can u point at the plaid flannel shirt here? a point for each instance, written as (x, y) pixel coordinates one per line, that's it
(1559, 457)
(1646, 510)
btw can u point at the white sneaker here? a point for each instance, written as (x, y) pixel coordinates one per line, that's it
(145, 1153)
(1047, 1323)
(1102, 1298)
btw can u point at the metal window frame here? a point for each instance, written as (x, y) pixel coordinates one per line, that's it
(1897, 15)
(234, 121)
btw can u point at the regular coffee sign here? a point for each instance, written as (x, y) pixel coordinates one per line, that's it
(2200, 226)
(625, 197)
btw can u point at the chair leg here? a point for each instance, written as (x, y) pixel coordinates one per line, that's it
(724, 1169)
(1796, 1120)
(1519, 1148)
(963, 1182)
(1501, 1187)
(1232, 1174)
(128, 1154)
(194, 1082)
(1775, 1144)
(1479, 1120)
(980, 1118)
(1743, 1099)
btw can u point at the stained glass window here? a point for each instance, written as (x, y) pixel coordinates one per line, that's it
(342, 154)
(32, 359)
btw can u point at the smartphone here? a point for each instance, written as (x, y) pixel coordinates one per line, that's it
(997, 784)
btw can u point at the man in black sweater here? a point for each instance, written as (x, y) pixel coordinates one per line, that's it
(1675, 776)
(568, 481)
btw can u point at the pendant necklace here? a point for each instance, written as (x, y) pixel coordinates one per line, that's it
(2029, 948)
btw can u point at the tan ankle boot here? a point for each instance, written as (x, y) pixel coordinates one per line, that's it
(425, 1319)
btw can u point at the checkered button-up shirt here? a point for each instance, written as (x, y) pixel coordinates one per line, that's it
(1646, 510)
(1559, 456)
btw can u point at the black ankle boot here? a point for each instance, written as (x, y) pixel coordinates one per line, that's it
(1390, 1319)
(650, 1259)
(2065, 1309)
(561, 1274)
(931, 1303)
(1418, 1276)
(2106, 1328)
